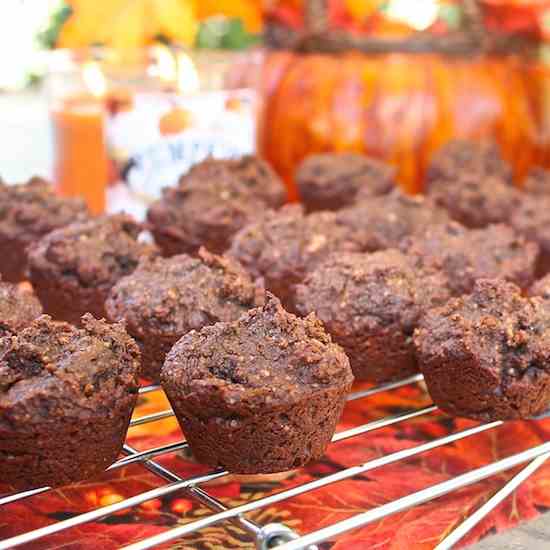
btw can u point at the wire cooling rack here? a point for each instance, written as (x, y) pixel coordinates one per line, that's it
(279, 536)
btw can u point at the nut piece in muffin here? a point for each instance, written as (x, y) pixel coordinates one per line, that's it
(331, 181)
(476, 201)
(259, 395)
(538, 182)
(18, 308)
(370, 304)
(29, 211)
(212, 202)
(66, 397)
(487, 355)
(532, 220)
(165, 298)
(466, 255)
(383, 222)
(286, 245)
(72, 269)
(466, 157)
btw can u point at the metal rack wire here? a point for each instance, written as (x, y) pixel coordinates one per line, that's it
(270, 536)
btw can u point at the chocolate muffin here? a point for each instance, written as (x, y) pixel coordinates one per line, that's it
(465, 157)
(487, 355)
(72, 269)
(165, 298)
(29, 211)
(370, 304)
(541, 288)
(331, 181)
(476, 201)
(466, 255)
(538, 182)
(66, 397)
(212, 202)
(18, 308)
(259, 395)
(532, 220)
(383, 222)
(286, 245)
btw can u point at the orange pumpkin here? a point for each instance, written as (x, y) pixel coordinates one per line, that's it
(398, 107)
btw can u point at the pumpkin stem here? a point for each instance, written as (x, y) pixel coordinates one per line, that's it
(318, 36)
(472, 20)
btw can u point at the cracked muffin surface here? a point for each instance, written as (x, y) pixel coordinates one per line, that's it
(66, 397)
(285, 246)
(212, 202)
(487, 355)
(383, 222)
(261, 394)
(72, 269)
(18, 308)
(28, 211)
(164, 298)
(465, 255)
(370, 304)
(474, 200)
(532, 220)
(330, 181)
(480, 159)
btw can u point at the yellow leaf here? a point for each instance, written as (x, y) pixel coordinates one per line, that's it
(128, 23)
(250, 11)
(175, 19)
(361, 9)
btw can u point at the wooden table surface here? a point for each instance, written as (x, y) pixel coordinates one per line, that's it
(26, 149)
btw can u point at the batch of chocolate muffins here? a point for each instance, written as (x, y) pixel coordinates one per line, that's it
(256, 316)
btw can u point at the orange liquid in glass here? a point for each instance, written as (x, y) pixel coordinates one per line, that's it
(81, 160)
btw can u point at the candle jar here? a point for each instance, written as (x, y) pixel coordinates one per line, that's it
(76, 91)
(128, 123)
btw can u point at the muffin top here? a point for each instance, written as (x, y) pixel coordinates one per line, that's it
(286, 245)
(92, 254)
(382, 222)
(495, 326)
(332, 180)
(532, 220)
(538, 182)
(30, 210)
(167, 297)
(476, 201)
(365, 292)
(267, 359)
(213, 201)
(245, 174)
(17, 308)
(52, 370)
(465, 255)
(541, 288)
(465, 157)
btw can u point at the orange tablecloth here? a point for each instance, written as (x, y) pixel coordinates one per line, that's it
(417, 529)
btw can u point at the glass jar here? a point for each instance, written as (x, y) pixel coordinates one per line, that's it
(128, 123)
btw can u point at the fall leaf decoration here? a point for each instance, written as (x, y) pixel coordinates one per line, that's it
(528, 17)
(128, 23)
(359, 10)
(248, 11)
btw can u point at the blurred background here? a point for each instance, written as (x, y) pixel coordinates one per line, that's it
(132, 92)
(112, 100)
